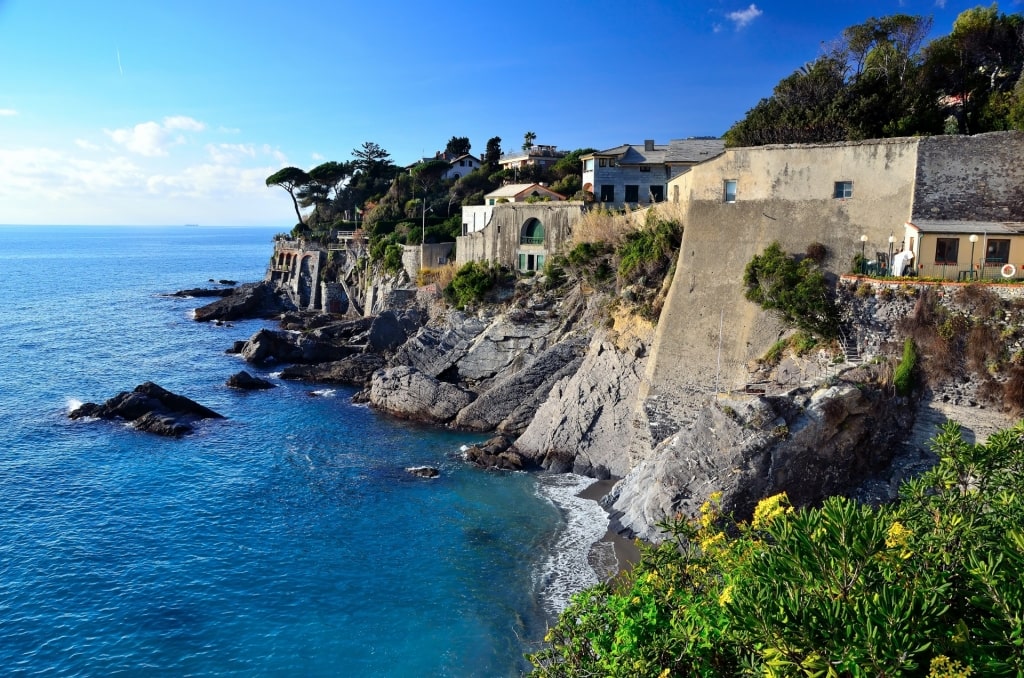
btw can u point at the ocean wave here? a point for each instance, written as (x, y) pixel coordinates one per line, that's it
(567, 569)
(324, 392)
(73, 404)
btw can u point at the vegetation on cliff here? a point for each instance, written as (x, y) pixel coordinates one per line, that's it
(926, 586)
(795, 290)
(881, 79)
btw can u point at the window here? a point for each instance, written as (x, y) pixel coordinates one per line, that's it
(462, 163)
(946, 250)
(843, 190)
(645, 168)
(607, 193)
(997, 252)
(588, 165)
(532, 233)
(657, 193)
(632, 193)
(729, 190)
(602, 163)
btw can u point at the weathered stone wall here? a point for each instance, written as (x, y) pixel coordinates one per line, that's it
(708, 332)
(500, 240)
(976, 178)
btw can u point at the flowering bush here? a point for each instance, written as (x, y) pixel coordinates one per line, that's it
(928, 586)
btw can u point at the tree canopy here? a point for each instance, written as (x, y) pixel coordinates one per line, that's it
(882, 80)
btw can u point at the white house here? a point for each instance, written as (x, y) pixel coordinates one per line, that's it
(638, 175)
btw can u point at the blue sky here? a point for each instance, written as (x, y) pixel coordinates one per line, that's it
(141, 112)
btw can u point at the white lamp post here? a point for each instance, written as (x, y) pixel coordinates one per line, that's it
(892, 240)
(973, 239)
(863, 261)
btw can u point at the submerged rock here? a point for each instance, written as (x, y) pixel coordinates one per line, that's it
(150, 408)
(424, 471)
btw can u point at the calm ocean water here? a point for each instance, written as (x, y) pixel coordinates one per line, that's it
(286, 540)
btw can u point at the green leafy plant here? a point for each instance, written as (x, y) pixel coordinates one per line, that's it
(471, 283)
(796, 291)
(927, 586)
(903, 377)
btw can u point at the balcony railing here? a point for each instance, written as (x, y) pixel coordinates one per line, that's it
(531, 240)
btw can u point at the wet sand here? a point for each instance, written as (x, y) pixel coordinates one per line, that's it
(614, 553)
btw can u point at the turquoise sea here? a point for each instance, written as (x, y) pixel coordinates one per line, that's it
(286, 540)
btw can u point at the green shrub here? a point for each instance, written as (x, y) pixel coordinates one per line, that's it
(554, 272)
(393, 258)
(930, 583)
(649, 250)
(903, 377)
(471, 283)
(796, 291)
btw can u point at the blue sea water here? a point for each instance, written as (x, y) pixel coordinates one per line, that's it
(286, 540)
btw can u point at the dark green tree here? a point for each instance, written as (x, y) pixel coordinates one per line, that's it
(493, 153)
(458, 146)
(291, 179)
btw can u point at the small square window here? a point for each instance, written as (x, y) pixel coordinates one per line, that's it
(997, 252)
(601, 162)
(843, 190)
(645, 168)
(730, 190)
(632, 193)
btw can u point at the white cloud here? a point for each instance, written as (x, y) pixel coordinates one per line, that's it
(941, 4)
(317, 157)
(743, 17)
(276, 154)
(152, 139)
(86, 145)
(228, 154)
(7, 112)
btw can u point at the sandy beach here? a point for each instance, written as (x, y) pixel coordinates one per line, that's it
(614, 553)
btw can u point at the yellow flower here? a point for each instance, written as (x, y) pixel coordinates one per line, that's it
(770, 508)
(944, 667)
(897, 536)
(726, 596)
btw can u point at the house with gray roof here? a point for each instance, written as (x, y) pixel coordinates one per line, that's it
(634, 175)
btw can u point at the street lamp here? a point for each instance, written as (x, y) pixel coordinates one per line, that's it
(892, 239)
(863, 261)
(973, 239)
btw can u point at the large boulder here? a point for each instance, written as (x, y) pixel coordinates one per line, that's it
(150, 408)
(386, 333)
(407, 393)
(512, 401)
(584, 426)
(269, 346)
(809, 445)
(355, 370)
(246, 382)
(251, 300)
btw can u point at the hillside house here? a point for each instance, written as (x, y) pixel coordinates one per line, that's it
(638, 175)
(520, 235)
(475, 217)
(536, 156)
(458, 166)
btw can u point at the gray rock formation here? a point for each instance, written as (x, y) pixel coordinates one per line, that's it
(267, 346)
(356, 370)
(437, 347)
(812, 445)
(511, 402)
(246, 382)
(150, 408)
(496, 453)
(407, 393)
(252, 300)
(584, 425)
(423, 471)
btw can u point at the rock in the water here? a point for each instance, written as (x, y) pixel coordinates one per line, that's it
(150, 408)
(496, 453)
(410, 394)
(204, 292)
(355, 370)
(252, 300)
(245, 381)
(424, 471)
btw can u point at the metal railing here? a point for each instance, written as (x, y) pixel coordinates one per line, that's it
(531, 240)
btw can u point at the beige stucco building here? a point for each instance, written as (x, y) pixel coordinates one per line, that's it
(518, 234)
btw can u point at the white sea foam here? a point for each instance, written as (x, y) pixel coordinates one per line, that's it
(324, 392)
(74, 404)
(567, 569)
(275, 375)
